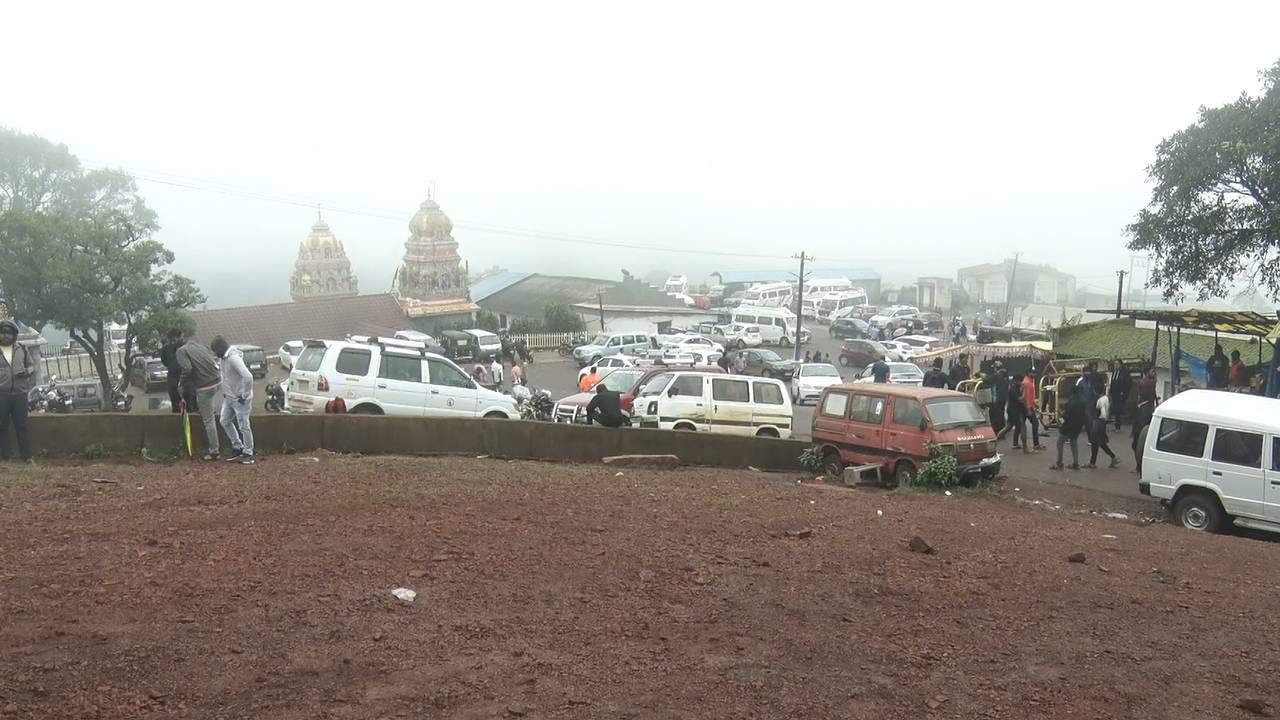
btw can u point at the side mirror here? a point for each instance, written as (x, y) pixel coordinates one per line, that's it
(672, 391)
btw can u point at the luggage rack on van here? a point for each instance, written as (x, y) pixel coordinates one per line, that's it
(385, 343)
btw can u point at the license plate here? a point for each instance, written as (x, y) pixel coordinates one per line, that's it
(303, 386)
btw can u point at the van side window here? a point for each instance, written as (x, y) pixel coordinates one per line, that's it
(1275, 453)
(1182, 437)
(688, 386)
(726, 390)
(614, 341)
(443, 373)
(353, 362)
(867, 409)
(835, 404)
(906, 411)
(1237, 448)
(400, 367)
(767, 393)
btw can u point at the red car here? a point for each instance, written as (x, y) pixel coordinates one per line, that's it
(627, 381)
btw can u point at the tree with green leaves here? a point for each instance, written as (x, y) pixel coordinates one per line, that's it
(1214, 216)
(76, 251)
(561, 318)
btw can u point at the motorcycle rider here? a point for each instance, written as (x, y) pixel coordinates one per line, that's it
(17, 370)
(237, 400)
(199, 369)
(606, 408)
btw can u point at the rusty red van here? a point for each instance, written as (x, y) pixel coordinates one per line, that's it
(893, 425)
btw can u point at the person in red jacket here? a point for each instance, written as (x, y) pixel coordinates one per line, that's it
(1238, 375)
(1029, 398)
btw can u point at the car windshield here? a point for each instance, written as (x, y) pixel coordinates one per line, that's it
(955, 412)
(601, 339)
(621, 380)
(769, 356)
(819, 371)
(657, 384)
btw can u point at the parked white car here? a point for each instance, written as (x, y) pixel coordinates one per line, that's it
(1214, 458)
(810, 379)
(688, 343)
(729, 404)
(739, 336)
(387, 377)
(919, 343)
(897, 312)
(289, 352)
(609, 363)
(900, 373)
(897, 351)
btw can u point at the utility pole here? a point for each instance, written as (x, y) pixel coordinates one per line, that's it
(800, 305)
(1119, 291)
(1008, 292)
(600, 302)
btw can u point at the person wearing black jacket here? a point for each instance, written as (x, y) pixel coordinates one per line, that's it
(936, 378)
(17, 374)
(1121, 386)
(1073, 420)
(1141, 419)
(606, 408)
(960, 371)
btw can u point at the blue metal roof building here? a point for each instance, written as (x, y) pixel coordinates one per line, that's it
(495, 283)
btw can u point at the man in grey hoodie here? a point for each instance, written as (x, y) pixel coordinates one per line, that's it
(199, 369)
(17, 372)
(237, 400)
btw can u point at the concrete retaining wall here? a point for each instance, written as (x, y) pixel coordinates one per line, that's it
(62, 435)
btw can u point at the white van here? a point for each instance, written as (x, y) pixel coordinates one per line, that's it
(777, 325)
(815, 288)
(729, 404)
(777, 294)
(489, 343)
(842, 300)
(382, 376)
(1214, 457)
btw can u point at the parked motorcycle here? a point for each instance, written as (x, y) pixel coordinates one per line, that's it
(121, 399)
(533, 404)
(567, 347)
(57, 399)
(275, 396)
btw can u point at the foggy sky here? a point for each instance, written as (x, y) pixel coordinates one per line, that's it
(914, 139)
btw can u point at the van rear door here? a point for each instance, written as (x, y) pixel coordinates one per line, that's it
(1273, 480)
(866, 425)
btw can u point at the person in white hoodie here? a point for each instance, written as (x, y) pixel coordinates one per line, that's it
(237, 400)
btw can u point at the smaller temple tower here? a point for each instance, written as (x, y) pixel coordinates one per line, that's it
(322, 269)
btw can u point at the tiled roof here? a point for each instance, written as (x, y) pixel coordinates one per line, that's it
(1120, 338)
(486, 286)
(270, 326)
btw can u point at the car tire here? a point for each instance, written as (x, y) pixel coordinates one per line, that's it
(903, 474)
(496, 415)
(1198, 510)
(365, 410)
(832, 464)
(784, 341)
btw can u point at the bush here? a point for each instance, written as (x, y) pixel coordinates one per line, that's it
(811, 461)
(526, 326)
(486, 320)
(941, 472)
(561, 318)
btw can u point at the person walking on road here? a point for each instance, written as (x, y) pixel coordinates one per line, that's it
(1098, 438)
(1017, 411)
(1121, 386)
(1141, 419)
(495, 372)
(17, 373)
(1073, 419)
(808, 358)
(960, 371)
(740, 364)
(517, 374)
(1029, 402)
(237, 400)
(589, 380)
(725, 363)
(199, 369)
(880, 371)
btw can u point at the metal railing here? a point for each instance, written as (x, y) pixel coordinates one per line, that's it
(71, 367)
(544, 341)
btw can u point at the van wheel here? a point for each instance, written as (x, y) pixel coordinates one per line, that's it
(767, 432)
(1199, 511)
(365, 410)
(785, 342)
(496, 415)
(684, 426)
(832, 465)
(904, 474)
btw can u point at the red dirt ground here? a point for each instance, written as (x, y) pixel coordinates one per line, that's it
(545, 590)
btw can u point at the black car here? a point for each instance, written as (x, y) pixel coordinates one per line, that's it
(148, 374)
(255, 359)
(849, 327)
(767, 363)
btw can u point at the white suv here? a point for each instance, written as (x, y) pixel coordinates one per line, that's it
(384, 376)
